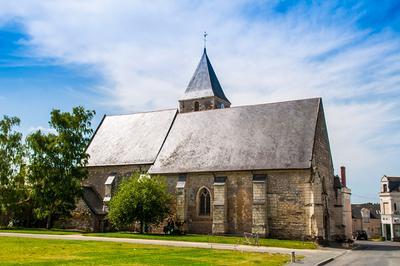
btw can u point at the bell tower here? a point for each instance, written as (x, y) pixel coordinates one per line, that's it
(204, 91)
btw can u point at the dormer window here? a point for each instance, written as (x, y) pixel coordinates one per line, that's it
(108, 187)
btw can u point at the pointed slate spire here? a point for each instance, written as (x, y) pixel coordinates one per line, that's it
(204, 82)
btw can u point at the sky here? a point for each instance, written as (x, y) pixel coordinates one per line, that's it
(124, 56)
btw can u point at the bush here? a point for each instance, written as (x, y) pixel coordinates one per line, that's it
(142, 199)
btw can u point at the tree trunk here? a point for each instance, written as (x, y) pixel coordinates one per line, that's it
(49, 223)
(141, 227)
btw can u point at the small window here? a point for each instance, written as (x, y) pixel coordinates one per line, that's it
(108, 187)
(222, 106)
(384, 188)
(205, 202)
(196, 106)
(395, 206)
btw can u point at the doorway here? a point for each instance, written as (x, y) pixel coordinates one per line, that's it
(388, 232)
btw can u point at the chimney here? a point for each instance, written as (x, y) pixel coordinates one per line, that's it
(343, 175)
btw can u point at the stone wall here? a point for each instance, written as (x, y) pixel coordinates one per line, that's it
(207, 103)
(98, 175)
(373, 227)
(347, 218)
(81, 219)
(280, 212)
(326, 201)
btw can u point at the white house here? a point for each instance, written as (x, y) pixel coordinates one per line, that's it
(390, 207)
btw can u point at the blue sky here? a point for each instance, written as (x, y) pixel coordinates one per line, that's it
(127, 56)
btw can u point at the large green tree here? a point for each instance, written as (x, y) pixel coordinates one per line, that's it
(12, 178)
(56, 162)
(142, 199)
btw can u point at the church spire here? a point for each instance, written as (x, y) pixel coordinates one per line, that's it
(205, 88)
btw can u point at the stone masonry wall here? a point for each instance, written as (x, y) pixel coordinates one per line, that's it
(98, 175)
(208, 103)
(330, 202)
(82, 218)
(219, 208)
(285, 210)
(288, 197)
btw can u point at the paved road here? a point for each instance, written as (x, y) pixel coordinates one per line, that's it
(311, 256)
(371, 253)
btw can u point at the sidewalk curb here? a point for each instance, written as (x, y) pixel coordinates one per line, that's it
(324, 262)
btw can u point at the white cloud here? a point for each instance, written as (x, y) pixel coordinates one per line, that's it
(147, 52)
(43, 129)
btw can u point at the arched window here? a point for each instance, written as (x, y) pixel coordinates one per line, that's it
(384, 188)
(204, 202)
(196, 106)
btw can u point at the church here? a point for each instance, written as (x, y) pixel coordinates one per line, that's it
(264, 168)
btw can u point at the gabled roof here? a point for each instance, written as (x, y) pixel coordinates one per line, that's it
(130, 139)
(394, 183)
(374, 208)
(204, 82)
(93, 200)
(266, 136)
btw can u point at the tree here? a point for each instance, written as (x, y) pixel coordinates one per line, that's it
(142, 199)
(56, 162)
(12, 178)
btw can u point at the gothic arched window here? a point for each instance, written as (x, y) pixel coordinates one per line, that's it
(204, 202)
(196, 106)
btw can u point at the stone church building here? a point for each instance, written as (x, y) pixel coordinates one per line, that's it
(263, 168)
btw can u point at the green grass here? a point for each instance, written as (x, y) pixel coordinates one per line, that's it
(213, 239)
(25, 251)
(39, 231)
(268, 242)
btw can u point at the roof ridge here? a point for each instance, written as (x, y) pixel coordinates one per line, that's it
(251, 105)
(144, 112)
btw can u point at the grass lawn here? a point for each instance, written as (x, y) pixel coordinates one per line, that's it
(25, 251)
(213, 239)
(295, 244)
(39, 231)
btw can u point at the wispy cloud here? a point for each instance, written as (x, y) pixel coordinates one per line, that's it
(146, 53)
(42, 129)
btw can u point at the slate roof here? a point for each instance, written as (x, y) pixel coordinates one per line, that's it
(130, 139)
(204, 82)
(265, 136)
(93, 200)
(373, 207)
(394, 183)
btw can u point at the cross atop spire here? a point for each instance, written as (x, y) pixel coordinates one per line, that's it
(205, 40)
